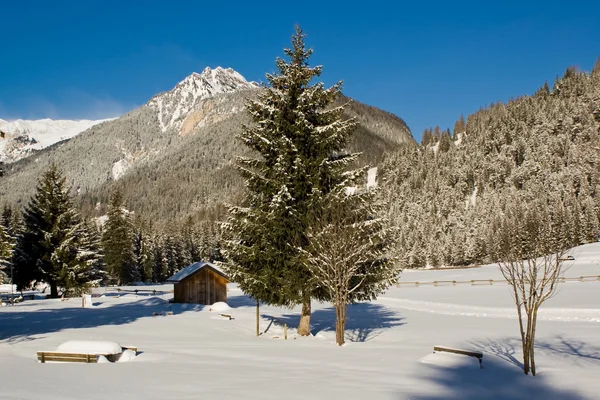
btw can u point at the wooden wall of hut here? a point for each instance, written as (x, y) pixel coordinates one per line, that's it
(203, 287)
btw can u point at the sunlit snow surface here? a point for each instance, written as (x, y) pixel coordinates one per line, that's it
(24, 136)
(195, 353)
(173, 106)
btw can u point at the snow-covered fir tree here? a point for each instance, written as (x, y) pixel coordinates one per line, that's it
(47, 248)
(81, 259)
(6, 250)
(11, 224)
(299, 144)
(118, 243)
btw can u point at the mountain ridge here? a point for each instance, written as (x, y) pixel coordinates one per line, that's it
(176, 160)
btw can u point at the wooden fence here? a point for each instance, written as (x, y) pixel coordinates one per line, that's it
(488, 282)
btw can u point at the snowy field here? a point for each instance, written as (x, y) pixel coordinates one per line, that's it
(197, 354)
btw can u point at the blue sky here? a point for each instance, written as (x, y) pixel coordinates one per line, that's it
(426, 62)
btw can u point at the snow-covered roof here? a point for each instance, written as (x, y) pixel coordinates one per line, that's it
(193, 268)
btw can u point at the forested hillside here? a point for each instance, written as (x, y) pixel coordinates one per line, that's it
(195, 174)
(169, 176)
(448, 196)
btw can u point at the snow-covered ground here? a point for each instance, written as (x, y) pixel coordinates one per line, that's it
(196, 353)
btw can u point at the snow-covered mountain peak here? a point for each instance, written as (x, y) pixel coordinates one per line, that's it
(173, 106)
(24, 136)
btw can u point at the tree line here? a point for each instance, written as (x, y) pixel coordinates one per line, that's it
(49, 241)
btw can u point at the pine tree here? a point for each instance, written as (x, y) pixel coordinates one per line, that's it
(445, 142)
(6, 251)
(49, 222)
(427, 137)
(117, 243)
(158, 265)
(81, 260)
(191, 245)
(459, 127)
(300, 143)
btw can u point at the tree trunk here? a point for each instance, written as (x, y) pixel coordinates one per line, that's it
(340, 323)
(304, 325)
(526, 357)
(257, 319)
(53, 290)
(528, 342)
(524, 343)
(532, 342)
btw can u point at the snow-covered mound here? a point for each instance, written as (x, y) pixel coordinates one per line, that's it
(175, 105)
(24, 136)
(90, 347)
(451, 361)
(219, 307)
(126, 356)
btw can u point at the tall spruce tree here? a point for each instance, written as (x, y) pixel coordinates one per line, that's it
(50, 226)
(6, 251)
(118, 243)
(300, 146)
(81, 259)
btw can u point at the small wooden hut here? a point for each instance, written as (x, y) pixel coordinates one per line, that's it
(200, 283)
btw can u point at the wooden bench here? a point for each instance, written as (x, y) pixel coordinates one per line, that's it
(477, 354)
(228, 316)
(58, 356)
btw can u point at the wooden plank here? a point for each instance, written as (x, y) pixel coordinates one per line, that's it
(92, 360)
(477, 354)
(134, 349)
(60, 353)
(44, 356)
(52, 356)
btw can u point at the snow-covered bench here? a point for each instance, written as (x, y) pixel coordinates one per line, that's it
(84, 351)
(477, 354)
(59, 356)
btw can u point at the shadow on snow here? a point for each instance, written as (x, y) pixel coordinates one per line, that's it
(509, 349)
(19, 324)
(502, 375)
(498, 380)
(364, 321)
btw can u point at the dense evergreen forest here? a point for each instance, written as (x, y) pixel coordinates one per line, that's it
(448, 195)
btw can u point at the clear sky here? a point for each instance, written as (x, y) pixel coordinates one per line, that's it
(424, 61)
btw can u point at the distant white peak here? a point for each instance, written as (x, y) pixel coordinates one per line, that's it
(24, 136)
(173, 106)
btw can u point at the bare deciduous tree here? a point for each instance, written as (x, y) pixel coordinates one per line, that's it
(349, 255)
(532, 265)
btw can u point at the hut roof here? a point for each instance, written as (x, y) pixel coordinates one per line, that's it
(195, 267)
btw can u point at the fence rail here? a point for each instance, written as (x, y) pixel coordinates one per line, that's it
(489, 282)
